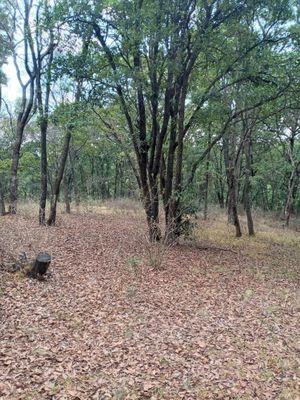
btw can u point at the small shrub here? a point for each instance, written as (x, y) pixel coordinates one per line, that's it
(156, 252)
(134, 266)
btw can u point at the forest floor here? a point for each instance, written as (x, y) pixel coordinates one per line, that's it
(219, 320)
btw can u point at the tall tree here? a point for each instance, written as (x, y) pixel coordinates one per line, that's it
(42, 50)
(30, 52)
(5, 43)
(248, 175)
(4, 53)
(20, 14)
(73, 114)
(289, 133)
(153, 50)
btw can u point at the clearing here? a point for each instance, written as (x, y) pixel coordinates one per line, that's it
(220, 320)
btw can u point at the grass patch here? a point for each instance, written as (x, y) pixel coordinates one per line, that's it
(273, 249)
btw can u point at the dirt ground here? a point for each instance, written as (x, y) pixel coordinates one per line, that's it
(212, 318)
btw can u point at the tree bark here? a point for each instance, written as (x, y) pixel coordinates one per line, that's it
(286, 214)
(52, 216)
(44, 181)
(44, 117)
(219, 182)
(40, 265)
(220, 196)
(27, 103)
(172, 212)
(73, 171)
(247, 187)
(14, 167)
(67, 194)
(116, 180)
(205, 208)
(2, 202)
(232, 189)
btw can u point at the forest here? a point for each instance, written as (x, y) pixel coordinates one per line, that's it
(150, 199)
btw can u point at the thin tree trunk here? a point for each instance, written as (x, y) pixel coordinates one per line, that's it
(52, 216)
(228, 168)
(44, 116)
(2, 202)
(154, 229)
(169, 206)
(233, 202)
(247, 188)
(67, 196)
(171, 209)
(286, 214)
(206, 181)
(14, 167)
(232, 190)
(116, 180)
(44, 181)
(27, 100)
(220, 196)
(74, 175)
(219, 183)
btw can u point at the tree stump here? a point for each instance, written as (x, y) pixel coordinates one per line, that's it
(40, 265)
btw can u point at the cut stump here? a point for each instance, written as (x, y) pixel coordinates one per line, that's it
(40, 265)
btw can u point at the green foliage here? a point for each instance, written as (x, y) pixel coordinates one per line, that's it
(5, 47)
(245, 70)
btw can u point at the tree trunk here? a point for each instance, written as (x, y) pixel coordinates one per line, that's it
(173, 189)
(14, 167)
(228, 168)
(73, 172)
(232, 189)
(247, 187)
(116, 180)
(220, 196)
(52, 217)
(43, 196)
(154, 229)
(206, 181)
(233, 202)
(44, 115)
(67, 195)
(2, 203)
(40, 265)
(286, 214)
(27, 100)
(219, 183)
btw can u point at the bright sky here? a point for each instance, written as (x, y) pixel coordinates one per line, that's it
(12, 90)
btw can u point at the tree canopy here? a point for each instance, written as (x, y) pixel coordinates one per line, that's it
(183, 102)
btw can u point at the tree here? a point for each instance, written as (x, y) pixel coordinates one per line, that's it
(181, 92)
(69, 120)
(4, 52)
(153, 50)
(26, 109)
(289, 133)
(42, 56)
(5, 44)
(29, 56)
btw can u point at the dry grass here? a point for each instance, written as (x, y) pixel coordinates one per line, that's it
(109, 207)
(217, 230)
(272, 249)
(29, 209)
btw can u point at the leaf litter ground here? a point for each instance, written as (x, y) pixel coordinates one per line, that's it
(212, 324)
